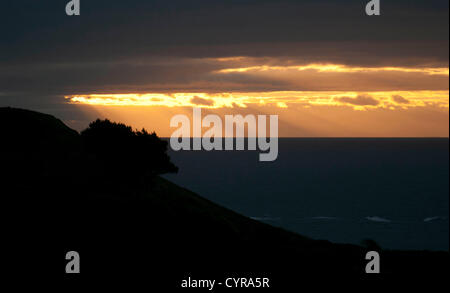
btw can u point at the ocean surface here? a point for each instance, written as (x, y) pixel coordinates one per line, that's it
(393, 191)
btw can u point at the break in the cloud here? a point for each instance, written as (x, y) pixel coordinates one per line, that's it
(238, 74)
(337, 68)
(314, 57)
(281, 99)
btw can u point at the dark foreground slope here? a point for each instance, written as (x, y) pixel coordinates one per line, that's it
(148, 229)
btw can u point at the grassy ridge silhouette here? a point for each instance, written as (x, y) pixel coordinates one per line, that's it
(99, 193)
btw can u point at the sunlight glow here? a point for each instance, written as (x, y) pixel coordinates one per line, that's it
(336, 68)
(280, 99)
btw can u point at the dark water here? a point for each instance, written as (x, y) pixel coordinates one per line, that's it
(394, 191)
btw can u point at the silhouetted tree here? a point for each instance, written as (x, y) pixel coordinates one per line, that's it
(371, 244)
(124, 152)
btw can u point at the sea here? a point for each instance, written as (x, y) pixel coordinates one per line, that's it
(394, 191)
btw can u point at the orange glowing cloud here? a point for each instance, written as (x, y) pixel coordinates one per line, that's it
(312, 100)
(282, 99)
(337, 68)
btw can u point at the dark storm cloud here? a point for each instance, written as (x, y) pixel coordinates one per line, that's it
(40, 30)
(127, 45)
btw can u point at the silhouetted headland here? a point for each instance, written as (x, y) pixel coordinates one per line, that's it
(100, 193)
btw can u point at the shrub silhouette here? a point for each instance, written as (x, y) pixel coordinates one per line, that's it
(126, 153)
(371, 244)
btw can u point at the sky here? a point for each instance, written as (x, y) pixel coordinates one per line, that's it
(324, 66)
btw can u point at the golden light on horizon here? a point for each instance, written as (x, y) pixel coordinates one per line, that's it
(337, 68)
(281, 99)
(337, 100)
